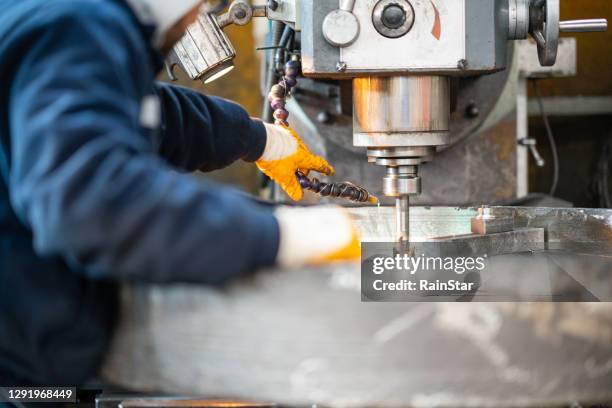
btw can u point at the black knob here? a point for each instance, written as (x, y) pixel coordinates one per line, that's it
(393, 16)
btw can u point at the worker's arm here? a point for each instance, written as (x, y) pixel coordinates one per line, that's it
(206, 133)
(86, 179)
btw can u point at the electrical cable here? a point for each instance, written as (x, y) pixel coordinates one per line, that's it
(551, 140)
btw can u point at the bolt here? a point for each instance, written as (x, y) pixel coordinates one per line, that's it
(324, 117)
(472, 111)
(240, 14)
(341, 66)
(272, 5)
(462, 64)
(393, 16)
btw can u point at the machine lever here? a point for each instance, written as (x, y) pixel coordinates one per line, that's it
(584, 26)
(531, 145)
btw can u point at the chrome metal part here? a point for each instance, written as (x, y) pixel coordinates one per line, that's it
(531, 144)
(401, 181)
(402, 105)
(545, 26)
(341, 27)
(287, 11)
(518, 12)
(401, 120)
(241, 13)
(393, 18)
(545, 16)
(205, 53)
(402, 218)
(584, 26)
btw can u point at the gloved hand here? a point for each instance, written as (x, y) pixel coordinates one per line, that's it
(285, 153)
(316, 236)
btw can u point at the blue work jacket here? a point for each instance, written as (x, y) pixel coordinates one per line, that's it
(95, 187)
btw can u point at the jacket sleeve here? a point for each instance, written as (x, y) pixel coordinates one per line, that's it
(206, 133)
(85, 177)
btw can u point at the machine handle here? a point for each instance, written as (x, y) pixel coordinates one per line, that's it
(347, 5)
(584, 26)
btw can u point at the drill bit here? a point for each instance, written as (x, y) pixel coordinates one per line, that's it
(402, 218)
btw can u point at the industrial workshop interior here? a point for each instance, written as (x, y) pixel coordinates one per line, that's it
(306, 203)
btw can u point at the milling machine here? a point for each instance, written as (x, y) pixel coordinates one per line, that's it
(401, 56)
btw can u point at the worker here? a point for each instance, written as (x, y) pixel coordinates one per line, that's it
(95, 183)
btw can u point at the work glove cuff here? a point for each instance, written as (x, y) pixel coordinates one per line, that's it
(314, 235)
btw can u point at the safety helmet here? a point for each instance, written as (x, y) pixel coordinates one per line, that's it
(162, 14)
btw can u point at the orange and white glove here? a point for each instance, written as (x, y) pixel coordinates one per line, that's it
(316, 236)
(284, 155)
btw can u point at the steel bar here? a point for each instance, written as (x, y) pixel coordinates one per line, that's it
(584, 26)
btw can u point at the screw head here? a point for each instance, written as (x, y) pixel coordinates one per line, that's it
(341, 66)
(324, 117)
(472, 111)
(462, 64)
(272, 5)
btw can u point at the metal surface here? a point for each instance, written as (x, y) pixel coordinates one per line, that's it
(392, 105)
(402, 218)
(340, 27)
(463, 37)
(287, 11)
(584, 26)
(545, 16)
(565, 65)
(518, 12)
(241, 13)
(507, 242)
(486, 223)
(323, 346)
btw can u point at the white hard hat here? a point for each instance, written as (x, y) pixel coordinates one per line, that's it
(163, 14)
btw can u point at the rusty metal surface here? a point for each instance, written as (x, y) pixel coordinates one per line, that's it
(301, 337)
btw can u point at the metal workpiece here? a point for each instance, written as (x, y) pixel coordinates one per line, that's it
(401, 104)
(487, 223)
(346, 353)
